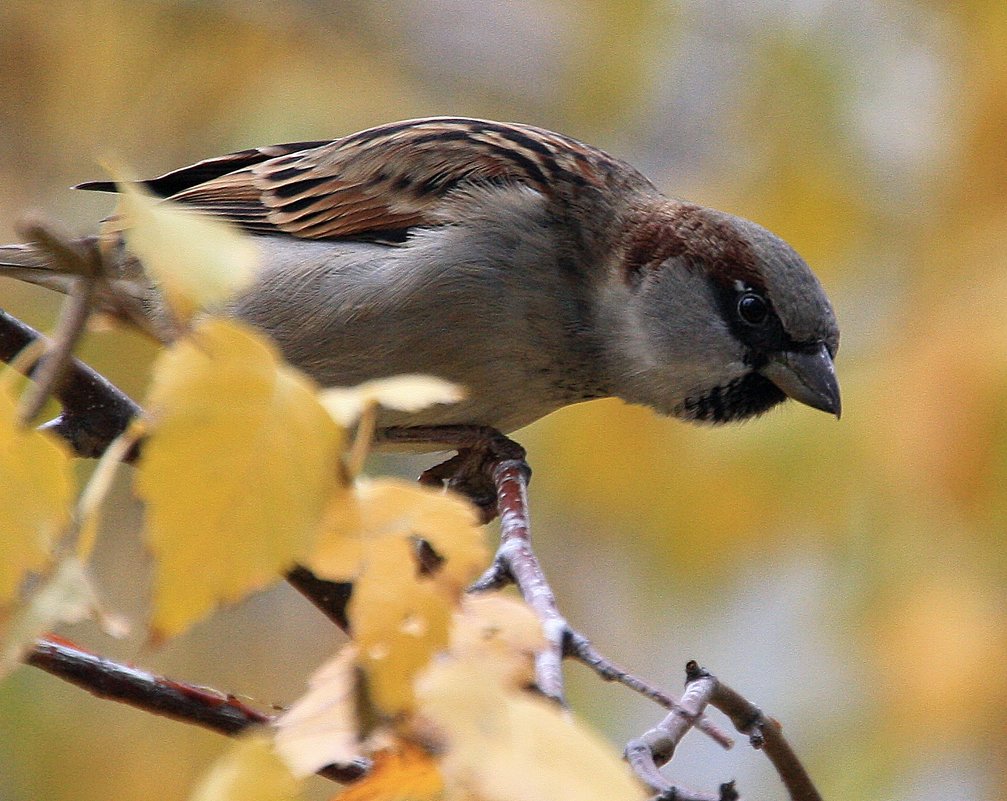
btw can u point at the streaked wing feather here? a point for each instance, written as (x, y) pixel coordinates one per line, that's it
(384, 179)
(206, 170)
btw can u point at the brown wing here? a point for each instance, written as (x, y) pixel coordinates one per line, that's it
(202, 171)
(383, 179)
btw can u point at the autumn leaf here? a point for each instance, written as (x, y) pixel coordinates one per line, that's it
(399, 619)
(239, 466)
(196, 261)
(36, 492)
(394, 508)
(403, 773)
(502, 633)
(404, 393)
(320, 728)
(401, 607)
(507, 745)
(251, 770)
(64, 596)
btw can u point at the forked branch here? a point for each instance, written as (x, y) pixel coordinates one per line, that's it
(655, 747)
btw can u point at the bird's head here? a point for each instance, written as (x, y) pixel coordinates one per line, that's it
(725, 320)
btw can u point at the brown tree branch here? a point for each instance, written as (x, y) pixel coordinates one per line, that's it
(178, 700)
(656, 747)
(580, 649)
(95, 411)
(766, 734)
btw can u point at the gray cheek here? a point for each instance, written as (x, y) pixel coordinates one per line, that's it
(690, 332)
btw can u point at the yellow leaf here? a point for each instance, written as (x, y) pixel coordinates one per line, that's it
(405, 393)
(399, 619)
(36, 490)
(250, 771)
(195, 260)
(237, 471)
(66, 596)
(504, 745)
(397, 508)
(503, 633)
(404, 773)
(339, 550)
(399, 613)
(321, 726)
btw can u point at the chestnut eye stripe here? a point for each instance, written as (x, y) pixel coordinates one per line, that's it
(690, 233)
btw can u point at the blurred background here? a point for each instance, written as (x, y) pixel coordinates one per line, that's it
(848, 577)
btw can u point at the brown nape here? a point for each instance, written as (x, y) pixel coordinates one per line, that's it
(694, 234)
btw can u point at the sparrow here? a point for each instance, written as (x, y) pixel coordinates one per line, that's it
(532, 269)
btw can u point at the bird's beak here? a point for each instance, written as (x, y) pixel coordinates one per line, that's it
(807, 376)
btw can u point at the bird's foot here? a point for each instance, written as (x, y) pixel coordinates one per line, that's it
(470, 471)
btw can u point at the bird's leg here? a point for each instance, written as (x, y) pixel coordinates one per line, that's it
(469, 472)
(466, 474)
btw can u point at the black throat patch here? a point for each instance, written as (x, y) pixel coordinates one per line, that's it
(744, 397)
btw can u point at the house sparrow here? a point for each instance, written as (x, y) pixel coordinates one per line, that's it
(532, 269)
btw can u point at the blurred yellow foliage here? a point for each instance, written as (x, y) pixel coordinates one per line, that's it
(503, 745)
(251, 770)
(36, 488)
(321, 727)
(402, 773)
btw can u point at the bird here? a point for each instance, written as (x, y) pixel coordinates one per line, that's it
(532, 269)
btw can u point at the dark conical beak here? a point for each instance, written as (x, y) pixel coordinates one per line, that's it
(807, 376)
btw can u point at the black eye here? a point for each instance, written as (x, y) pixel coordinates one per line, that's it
(753, 308)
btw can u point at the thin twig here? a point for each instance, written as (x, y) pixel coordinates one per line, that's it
(515, 558)
(766, 734)
(189, 703)
(84, 264)
(656, 746)
(579, 647)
